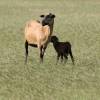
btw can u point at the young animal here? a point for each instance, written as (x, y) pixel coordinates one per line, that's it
(37, 34)
(62, 49)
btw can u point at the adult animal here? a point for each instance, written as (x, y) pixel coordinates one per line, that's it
(38, 34)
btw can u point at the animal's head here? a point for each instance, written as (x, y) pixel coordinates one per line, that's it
(48, 19)
(54, 39)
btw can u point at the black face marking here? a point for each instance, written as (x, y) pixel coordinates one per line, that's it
(48, 19)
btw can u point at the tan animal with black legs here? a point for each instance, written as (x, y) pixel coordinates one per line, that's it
(38, 34)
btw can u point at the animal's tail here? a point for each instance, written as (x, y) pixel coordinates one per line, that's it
(70, 51)
(71, 55)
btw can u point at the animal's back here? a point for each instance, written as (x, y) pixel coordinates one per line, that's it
(63, 47)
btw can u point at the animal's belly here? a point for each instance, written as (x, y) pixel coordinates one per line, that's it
(33, 45)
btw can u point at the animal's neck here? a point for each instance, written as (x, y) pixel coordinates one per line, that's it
(51, 29)
(55, 44)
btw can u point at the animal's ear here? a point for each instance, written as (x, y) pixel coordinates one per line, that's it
(53, 16)
(42, 16)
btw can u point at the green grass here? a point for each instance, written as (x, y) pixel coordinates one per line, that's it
(77, 21)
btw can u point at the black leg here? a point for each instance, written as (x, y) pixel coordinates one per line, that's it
(58, 55)
(41, 54)
(71, 55)
(61, 57)
(43, 48)
(66, 57)
(26, 52)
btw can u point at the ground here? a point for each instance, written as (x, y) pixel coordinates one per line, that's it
(77, 21)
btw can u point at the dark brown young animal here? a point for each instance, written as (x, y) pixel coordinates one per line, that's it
(63, 49)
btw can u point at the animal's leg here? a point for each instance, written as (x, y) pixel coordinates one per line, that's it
(71, 55)
(40, 47)
(26, 52)
(61, 57)
(43, 49)
(66, 57)
(58, 55)
(45, 46)
(41, 54)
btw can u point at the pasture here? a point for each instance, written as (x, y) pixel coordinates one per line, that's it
(77, 21)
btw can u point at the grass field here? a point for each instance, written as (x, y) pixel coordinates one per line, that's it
(77, 21)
